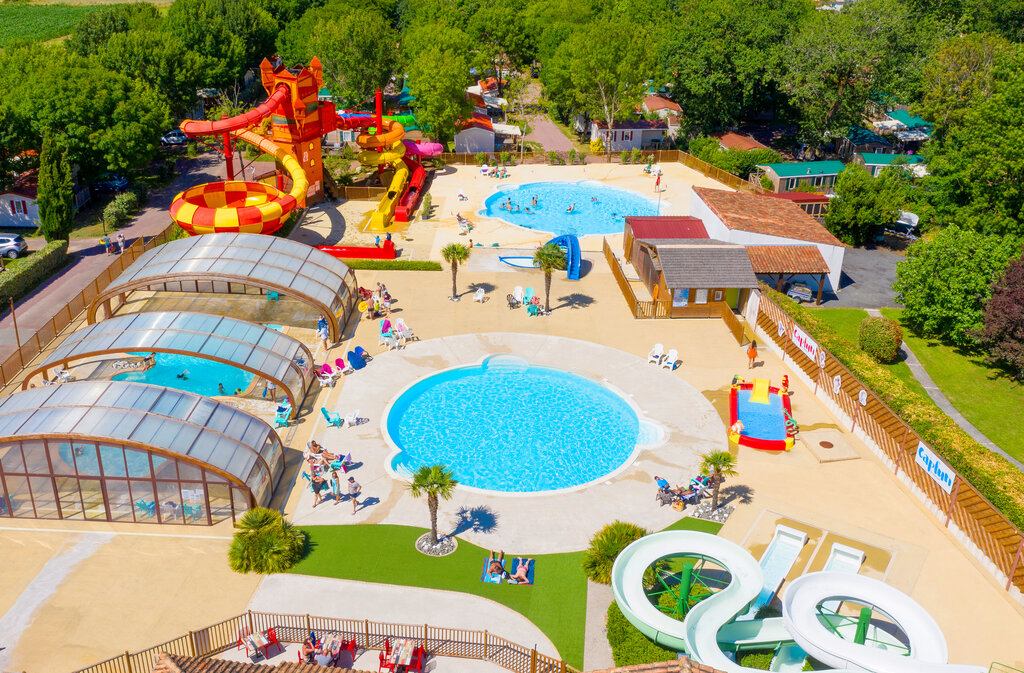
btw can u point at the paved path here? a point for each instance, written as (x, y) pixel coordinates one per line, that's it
(544, 131)
(597, 653)
(87, 260)
(942, 402)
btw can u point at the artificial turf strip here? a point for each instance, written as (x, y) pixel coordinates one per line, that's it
(556, 604)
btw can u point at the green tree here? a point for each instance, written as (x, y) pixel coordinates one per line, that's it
(549, 258)
(357, 57)
(437, 482)
(976, 170)
(438, 81)
(455, 254)
(502, 41)
(946, 282)
(13, 141)
(265, 543)
(230, 34)
(718, 465)
(54, 195)
(605, 547)
(159, 59)
(96, 28)
(864, 204)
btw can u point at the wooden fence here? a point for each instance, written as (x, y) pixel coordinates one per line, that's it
(361, 193)
(638, 308)
(470, 159)
(716, 173)
(997, 542)
(437, 640)
(34, 343)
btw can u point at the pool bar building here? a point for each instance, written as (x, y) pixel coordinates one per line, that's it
(131, 452)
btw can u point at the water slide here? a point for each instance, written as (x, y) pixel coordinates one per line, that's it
(776, 562)
(570, 243)
(709, 625)
(841, 559)
(759, 393)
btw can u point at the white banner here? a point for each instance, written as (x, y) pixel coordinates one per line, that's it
(935, 467)
(805, 343)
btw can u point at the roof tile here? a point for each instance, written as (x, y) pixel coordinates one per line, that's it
(786, 259)
(765, 215)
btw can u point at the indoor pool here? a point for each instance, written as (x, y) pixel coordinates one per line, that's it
(506, 425)
(599, 209)
(203, 375)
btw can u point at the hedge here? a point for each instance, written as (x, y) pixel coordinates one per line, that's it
(880, 338)
(759, 659)
(629, 646)
(38, 267)
(991, 474)
(389, 265)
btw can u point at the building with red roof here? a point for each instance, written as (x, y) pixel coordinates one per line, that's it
(18, 204)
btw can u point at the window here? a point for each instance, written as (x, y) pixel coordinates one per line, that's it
(701, 297)
(18, 207)
(792, 183)
(818, 180)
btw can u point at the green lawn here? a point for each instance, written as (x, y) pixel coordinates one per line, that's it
(556, 603)
(990, 401)
(22, 21)
(846, 323)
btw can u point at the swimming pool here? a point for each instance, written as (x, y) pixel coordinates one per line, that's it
(203, 375)
(599, 209)
(506, 425)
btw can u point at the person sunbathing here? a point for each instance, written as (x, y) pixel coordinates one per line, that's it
(496, 566)
(309, 650)
(522, 572)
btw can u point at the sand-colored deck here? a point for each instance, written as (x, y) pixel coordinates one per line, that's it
(151, 583)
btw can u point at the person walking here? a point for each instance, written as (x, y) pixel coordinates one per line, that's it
(353, 492)
(751, 354)
(657, 183)
(272, 390)
(325, 335)
(120, 243)
(105, 242)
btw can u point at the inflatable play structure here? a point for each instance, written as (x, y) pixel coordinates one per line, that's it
(567, 242)
(384, 145)
(297, 120)
(696, 608)
(385, 251)
(760, 416)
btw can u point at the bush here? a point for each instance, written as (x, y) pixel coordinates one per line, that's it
(176, 233)
(506, 159)
(289, 223)
(425, 207)
(36, 268)
(191, 151)
(572, 156)
(766, 183)
(597, 146)
(880, 338)
(636, 156)
(481, 159)
(392, 265)
(759, 659)
(347, 152)
(553, 157)
(141, 193)
(265, 543)
(629, 646)
(605, 546)
(120, 210)
(624, 156)
(994, 477)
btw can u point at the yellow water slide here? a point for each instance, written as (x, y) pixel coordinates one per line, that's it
(393, 151)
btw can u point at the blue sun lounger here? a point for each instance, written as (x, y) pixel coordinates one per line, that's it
(491, 578)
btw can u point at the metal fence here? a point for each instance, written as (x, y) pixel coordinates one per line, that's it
(962, 509)
(436, 640)
(64, 316)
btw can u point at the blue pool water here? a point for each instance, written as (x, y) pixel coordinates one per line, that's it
(203, 375)
(509, 426)
(603, 216)
(761, 421)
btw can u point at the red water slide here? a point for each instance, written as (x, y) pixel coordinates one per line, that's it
(193, 128)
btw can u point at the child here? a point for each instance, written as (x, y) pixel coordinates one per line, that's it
(751, 354)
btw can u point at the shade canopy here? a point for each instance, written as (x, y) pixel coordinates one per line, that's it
(257, 349)
(177, 424)
(212, 262)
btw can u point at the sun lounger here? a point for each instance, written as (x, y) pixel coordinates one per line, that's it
(670, 361)
(405, 330)
(656, 354)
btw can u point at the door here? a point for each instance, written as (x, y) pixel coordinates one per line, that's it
(732, 297)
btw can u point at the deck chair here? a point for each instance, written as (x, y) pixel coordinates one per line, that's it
(528, 296)
(342, 366)
(512, 303)
(517, 292)
(323, 379)
(405, 330)
(355, 360)
(533, 309)
(361, 352)
(656, 354)
(479, 295)
(272, 296)
(281, 419)
(670, 360)
(352, 419)
(331, 417)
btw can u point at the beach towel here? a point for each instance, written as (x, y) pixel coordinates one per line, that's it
(529, 572)
(491, 578)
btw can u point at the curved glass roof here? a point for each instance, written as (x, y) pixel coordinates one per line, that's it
(266, 352)
(303, 269)
(184, 425)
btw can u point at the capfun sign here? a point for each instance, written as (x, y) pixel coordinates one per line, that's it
(805, 343)
(935, 467)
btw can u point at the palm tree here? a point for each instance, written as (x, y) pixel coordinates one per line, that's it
(549, 258)
(265, 542)
(606, 545)
(437, 482)
(719, 465)
(455, 254)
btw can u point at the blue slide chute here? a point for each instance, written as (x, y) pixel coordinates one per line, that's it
(572, 254)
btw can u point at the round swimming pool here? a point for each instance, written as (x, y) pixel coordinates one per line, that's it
(509, 426)
(202, 378)
(597, 208)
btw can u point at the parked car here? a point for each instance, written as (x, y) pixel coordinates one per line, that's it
(905, 226)
(799, 292)
(110, 182)
(174, 138)
(12, 245)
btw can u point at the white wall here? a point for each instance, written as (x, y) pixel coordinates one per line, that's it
(473, 140)
(613, 140)
(832, 254)
(8, 219)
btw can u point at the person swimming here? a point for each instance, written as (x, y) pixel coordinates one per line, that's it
(183, 375)
(571, 208)
(221, 390)
(535, 201)
(594, 199)
(527, 210)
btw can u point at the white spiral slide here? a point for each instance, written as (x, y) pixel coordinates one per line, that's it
(700, 633)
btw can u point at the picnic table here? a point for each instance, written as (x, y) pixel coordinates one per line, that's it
(401, 654)
(258, 642)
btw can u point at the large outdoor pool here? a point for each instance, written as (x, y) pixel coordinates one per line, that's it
(599, 209)
(506, 425)
(202, 378)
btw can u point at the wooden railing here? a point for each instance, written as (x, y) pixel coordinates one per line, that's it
(732, 321)
(717, 174)
(361, 193)
(34, 343)
(437, 640)
(963, 509)
(468, 158)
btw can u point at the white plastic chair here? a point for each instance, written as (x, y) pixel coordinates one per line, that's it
(479, 295)
(324, 379)
(670, 361)
(517, 293)
(656, 354)
(406, 331)
(352, 419)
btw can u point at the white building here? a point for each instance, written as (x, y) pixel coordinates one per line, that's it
(641, 134)
(18, 204)
(477, 135)
(750, 219)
